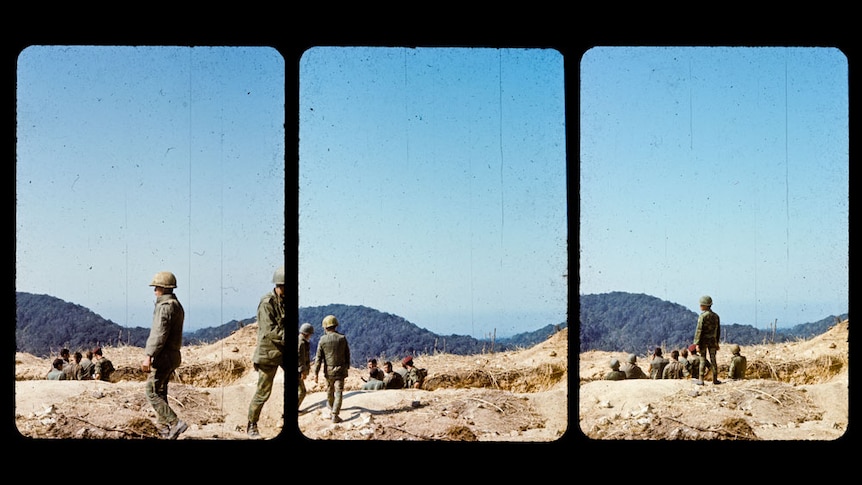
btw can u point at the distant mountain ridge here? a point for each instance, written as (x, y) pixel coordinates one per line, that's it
(45, 324)
(637, 323)
(372, 333)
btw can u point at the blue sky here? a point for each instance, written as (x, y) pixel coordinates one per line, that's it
(432, 185)
(720, 171)
(134, 160)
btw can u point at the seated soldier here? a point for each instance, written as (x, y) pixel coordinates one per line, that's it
(392, 379)
(615, 374)
(738, 364)
(632, 370)
(375, 381)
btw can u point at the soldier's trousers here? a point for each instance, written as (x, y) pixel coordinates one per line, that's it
(157, 394)
(334, 393)
(265, 376)
(704, 365)
(302, 391)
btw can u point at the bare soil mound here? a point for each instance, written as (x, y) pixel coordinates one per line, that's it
(211, 391)
(516, 396)
(792, 391)
(504, 396)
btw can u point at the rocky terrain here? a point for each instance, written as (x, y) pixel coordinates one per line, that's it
(792, 391)
(505, 396)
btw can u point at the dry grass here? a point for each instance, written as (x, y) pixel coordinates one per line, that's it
(798, 371)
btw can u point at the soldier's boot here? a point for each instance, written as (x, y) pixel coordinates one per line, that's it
(252, 431)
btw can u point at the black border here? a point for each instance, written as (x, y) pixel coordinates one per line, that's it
(570, 31)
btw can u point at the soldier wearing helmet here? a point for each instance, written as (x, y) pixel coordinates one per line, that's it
(615, 374)
(163, 355)
(269, 354)
(706, 339)
(333, 353)
(632, 369)
(738, 364)
(305, 332)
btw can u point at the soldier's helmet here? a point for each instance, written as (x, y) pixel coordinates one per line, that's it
(278, 277)
(632, 358)
(706, 300)
(306, 328)
(330, 321)
(615, 364)
(164, 279)
(734, 349)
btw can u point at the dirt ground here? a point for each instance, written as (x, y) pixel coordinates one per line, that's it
(211, 392)
(512, 396)
(505, 396)
(792, 391)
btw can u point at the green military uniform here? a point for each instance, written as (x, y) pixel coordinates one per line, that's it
(56, 373)
(71, 371)
(269, 354)
(738, 364)
(86, 370)
(304, 359)
(693, 362)
(163, 345)
(333, 354)
(686, 366)
(103, 368)
(706, 336)
(615, 374)
(632, 370)
(411, 377)
(673, 370)
(393, 380)
(373, 385)
(656, 367)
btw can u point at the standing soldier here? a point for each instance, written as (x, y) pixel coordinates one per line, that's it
(305, 332)
(269, 354)
(333, 353)
(706, 339)
(163, 355)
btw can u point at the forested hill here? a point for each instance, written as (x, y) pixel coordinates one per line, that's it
(45, 324)
(371, 333)
(637, 323)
